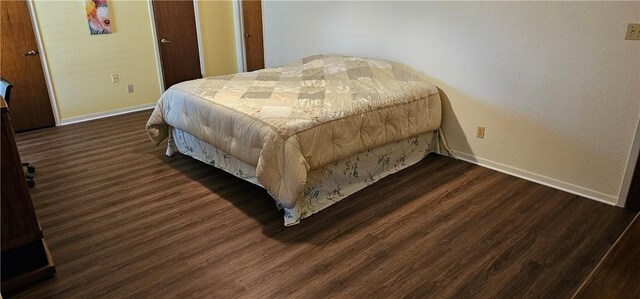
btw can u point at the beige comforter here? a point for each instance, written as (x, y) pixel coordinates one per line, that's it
(289, 120)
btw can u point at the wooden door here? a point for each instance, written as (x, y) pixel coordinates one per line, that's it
(177, 40)
(252, 24)
(29, 103)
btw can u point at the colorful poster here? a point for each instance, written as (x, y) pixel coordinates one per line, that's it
(98, 17)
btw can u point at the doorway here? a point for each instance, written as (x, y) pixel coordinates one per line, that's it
(177, 40)
(29, 105)
(252, 25)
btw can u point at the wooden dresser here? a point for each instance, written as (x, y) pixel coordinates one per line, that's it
(25, 256)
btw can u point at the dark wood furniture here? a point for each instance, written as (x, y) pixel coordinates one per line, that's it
(25, 256)
(5, 91)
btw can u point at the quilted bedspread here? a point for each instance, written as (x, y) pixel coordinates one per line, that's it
(288, 120)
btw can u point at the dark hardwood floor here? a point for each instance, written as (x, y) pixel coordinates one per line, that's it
(123, 220)
(618, 273)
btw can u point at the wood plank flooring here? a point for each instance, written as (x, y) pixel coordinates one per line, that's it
(618, 273)
(123, 220)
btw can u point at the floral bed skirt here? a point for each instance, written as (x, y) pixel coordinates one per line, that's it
(326, 185)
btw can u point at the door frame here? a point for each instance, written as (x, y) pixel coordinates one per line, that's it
(196, 15)
(43, 62)
(156, 47)
(241, 57)
(240, 44)
(631, 164)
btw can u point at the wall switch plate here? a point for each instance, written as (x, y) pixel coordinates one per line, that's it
(130, 88)
(633, 32)
(480, 132)
(115, 78)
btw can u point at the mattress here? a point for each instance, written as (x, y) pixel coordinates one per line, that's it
(326, 185)
(291, 120)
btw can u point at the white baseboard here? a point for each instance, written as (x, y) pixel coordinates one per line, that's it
(92, 116)
(538, 178)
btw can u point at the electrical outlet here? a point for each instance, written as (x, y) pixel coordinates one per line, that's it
(115, 78)
(130, 88)
(633, 32)
(480, 132)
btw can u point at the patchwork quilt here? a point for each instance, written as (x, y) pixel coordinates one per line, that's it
(289, 120)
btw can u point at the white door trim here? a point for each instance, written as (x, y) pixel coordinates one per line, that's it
(196, 11)
(44, 62)
(156, 48)
(239, 30)
(631, 165)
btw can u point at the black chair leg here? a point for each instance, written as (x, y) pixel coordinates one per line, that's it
(29, 174)
(30, 168)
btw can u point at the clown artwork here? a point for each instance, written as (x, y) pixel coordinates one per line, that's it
(98, 17)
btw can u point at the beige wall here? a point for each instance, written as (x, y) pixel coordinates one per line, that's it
(218, 37)
(555, 83)
(80, 64)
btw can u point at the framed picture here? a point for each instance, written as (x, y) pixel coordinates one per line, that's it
(98, 17)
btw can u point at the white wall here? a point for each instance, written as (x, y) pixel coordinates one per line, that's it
(555, 83)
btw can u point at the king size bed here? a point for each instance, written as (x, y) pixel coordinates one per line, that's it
(311, 133)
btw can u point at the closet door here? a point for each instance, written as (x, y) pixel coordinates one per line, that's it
(252, 24)
(21, 66)
(178, 41)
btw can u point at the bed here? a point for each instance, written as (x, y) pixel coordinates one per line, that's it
(311, 133)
